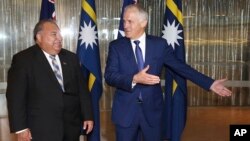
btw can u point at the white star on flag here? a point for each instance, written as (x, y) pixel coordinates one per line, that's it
(171, 34)
(88, 35)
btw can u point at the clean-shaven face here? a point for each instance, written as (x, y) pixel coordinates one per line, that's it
(134, 24)
(50, 39)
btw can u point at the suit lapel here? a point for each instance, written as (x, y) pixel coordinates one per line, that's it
(64, 66)
(128, 52)
(149, 47)
(44, 64)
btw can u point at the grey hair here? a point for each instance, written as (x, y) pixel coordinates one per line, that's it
(39, 26)
(142, 12)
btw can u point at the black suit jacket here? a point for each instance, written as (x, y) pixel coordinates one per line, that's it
(35, 99)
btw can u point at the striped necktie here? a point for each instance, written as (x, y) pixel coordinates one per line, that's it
(56, 71)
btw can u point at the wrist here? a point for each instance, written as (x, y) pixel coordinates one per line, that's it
(21, 131)
(134, 81)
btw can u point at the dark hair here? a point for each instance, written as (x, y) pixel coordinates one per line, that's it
(39, 26)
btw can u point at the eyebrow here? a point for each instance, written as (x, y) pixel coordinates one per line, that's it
(53, 32)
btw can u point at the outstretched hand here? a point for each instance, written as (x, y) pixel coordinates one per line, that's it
(219, 88)
(143, 77)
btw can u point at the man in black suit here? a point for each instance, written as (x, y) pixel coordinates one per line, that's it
(48, 99)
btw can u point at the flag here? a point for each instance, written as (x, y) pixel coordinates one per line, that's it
(175, 108)
(48, 10)
(121, 28)
(88, 54)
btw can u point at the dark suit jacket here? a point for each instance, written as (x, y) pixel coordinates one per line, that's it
(35, 99)
(121, 67)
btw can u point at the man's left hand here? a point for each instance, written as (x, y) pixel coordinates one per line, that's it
(88, 126)
(219, 88)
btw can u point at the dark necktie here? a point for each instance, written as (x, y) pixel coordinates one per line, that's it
(56, 71)
(140, 62)
(138, 54)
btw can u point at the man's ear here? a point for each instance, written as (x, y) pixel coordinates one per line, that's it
(38, 37)
(144, 23)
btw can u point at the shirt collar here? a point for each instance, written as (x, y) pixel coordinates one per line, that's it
(47, 55)
(142, 38)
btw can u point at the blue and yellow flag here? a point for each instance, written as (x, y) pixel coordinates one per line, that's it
(88, 53)
(175, 109)
(121, 28)
(48, 10)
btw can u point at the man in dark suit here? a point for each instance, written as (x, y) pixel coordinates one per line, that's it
(47, 96)
(138, 100)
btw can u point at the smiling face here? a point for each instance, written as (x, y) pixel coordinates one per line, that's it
(134, 23)
(49, 38)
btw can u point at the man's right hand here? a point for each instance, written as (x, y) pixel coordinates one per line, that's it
(143, 77)
(24, 135)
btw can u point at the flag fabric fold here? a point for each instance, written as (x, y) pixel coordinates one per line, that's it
(88, 54)
(175, 108)
(48, 10)
(121, 28)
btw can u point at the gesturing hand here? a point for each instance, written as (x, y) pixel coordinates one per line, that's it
(219, 88)
(143, 77)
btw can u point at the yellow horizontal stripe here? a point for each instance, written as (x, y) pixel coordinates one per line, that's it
(89, 10)
(174, 9)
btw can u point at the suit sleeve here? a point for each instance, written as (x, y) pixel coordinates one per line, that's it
(85, 97)
(112, 75)
(16, 95)
(185, 70)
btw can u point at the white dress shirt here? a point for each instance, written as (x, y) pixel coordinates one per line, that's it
(50, 61)
(142, 45)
